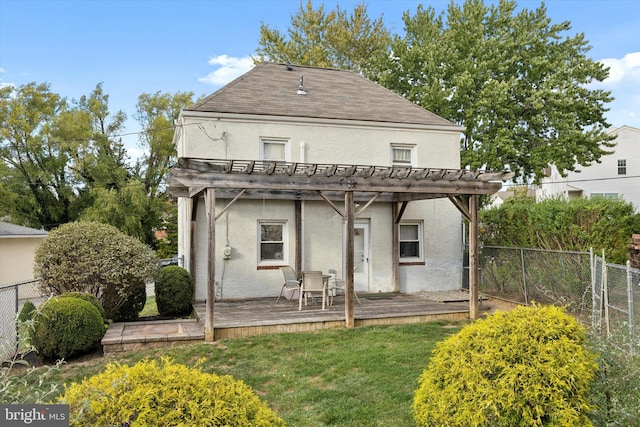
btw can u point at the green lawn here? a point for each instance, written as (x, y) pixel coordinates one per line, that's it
(364, 376)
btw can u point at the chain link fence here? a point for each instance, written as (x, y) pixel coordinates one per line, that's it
(598, 293)
(12, 299)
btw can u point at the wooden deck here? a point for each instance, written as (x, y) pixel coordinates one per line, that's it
(263, 316)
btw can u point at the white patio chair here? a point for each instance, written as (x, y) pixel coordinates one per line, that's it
(291, 282)
(336, 287)
(312, 283)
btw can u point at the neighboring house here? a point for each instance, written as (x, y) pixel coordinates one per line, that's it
(17, 249)
(616, 176)
(282, 118)
(502, 196)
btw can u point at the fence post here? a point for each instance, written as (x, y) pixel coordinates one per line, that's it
(524, 278)
(605, 293)
(630, 304)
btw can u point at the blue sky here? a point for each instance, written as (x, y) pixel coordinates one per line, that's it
(145, 46)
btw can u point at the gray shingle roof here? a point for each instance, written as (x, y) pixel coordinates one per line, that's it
(271, 89)
(12, 230)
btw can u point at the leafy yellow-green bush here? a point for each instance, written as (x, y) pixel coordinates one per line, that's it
(164, 393)
(524, 367)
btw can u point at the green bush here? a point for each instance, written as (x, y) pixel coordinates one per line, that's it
(616, 390)
(164, 394)
(98, 259)
(130, 308)
(27, 311)
(558, 224)
(174, 291)
(66, 327)
(89, 298)
(524, 367)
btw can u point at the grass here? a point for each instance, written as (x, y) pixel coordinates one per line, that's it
(150, 308)
(363, 376)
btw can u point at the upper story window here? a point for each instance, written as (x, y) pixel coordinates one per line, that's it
(403, 155)
(622, 166)
(274, 149)
(411, 241)
(272, 242)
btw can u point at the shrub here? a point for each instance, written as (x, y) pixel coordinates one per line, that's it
(174, 291)
(27, 311)
(130, 308)
(572, 225)
(615, 393)
(66, 327)
(524, 367)
(165, 393)
(94, 258)
(89, 298)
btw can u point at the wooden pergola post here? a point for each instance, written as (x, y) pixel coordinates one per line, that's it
(210, 203)
(474, 257)
(349, 260)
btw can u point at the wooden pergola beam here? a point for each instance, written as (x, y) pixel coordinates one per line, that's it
(299, 181)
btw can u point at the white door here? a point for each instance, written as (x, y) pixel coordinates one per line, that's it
(361, 257)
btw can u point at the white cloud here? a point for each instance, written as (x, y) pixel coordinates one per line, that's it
(228, 69)
(622, 68)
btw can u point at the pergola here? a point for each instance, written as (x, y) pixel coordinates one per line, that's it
(333, 183)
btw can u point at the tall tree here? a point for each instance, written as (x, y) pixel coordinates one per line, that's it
(38, 133)
(334, 39)
(130, 197)
(513, 80)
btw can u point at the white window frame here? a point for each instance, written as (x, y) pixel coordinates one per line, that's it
(420, 241)
(285, 254)
(605, 195)
(407, 147)
(272, 140)
(622, 166)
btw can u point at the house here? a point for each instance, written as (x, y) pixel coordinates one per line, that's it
(320, 169)
(617, 175)
(17, 249)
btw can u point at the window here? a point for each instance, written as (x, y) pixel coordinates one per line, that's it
(605, 195)
(622, 167)
(402, 155)
(274, 149)
(272, 242)
(411, 240)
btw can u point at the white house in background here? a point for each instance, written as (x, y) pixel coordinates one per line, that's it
(285, 113)
(17, 249)
(616, 176)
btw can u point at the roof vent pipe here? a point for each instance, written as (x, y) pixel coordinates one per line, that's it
(301, 90)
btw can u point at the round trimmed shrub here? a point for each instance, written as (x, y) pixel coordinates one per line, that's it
(98, 259)
(524, 367)
(174, 291)
(65, 327)
(164, 394)
(87, 297)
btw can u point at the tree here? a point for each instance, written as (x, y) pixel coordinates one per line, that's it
(513, 80)
(38, 133)
(321, 39)
(130, 197)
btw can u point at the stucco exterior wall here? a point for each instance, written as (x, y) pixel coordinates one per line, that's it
(241, 276)
(16, 258)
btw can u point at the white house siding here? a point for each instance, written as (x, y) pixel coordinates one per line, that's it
(16, 258)
(328, 142)
(602, 178)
